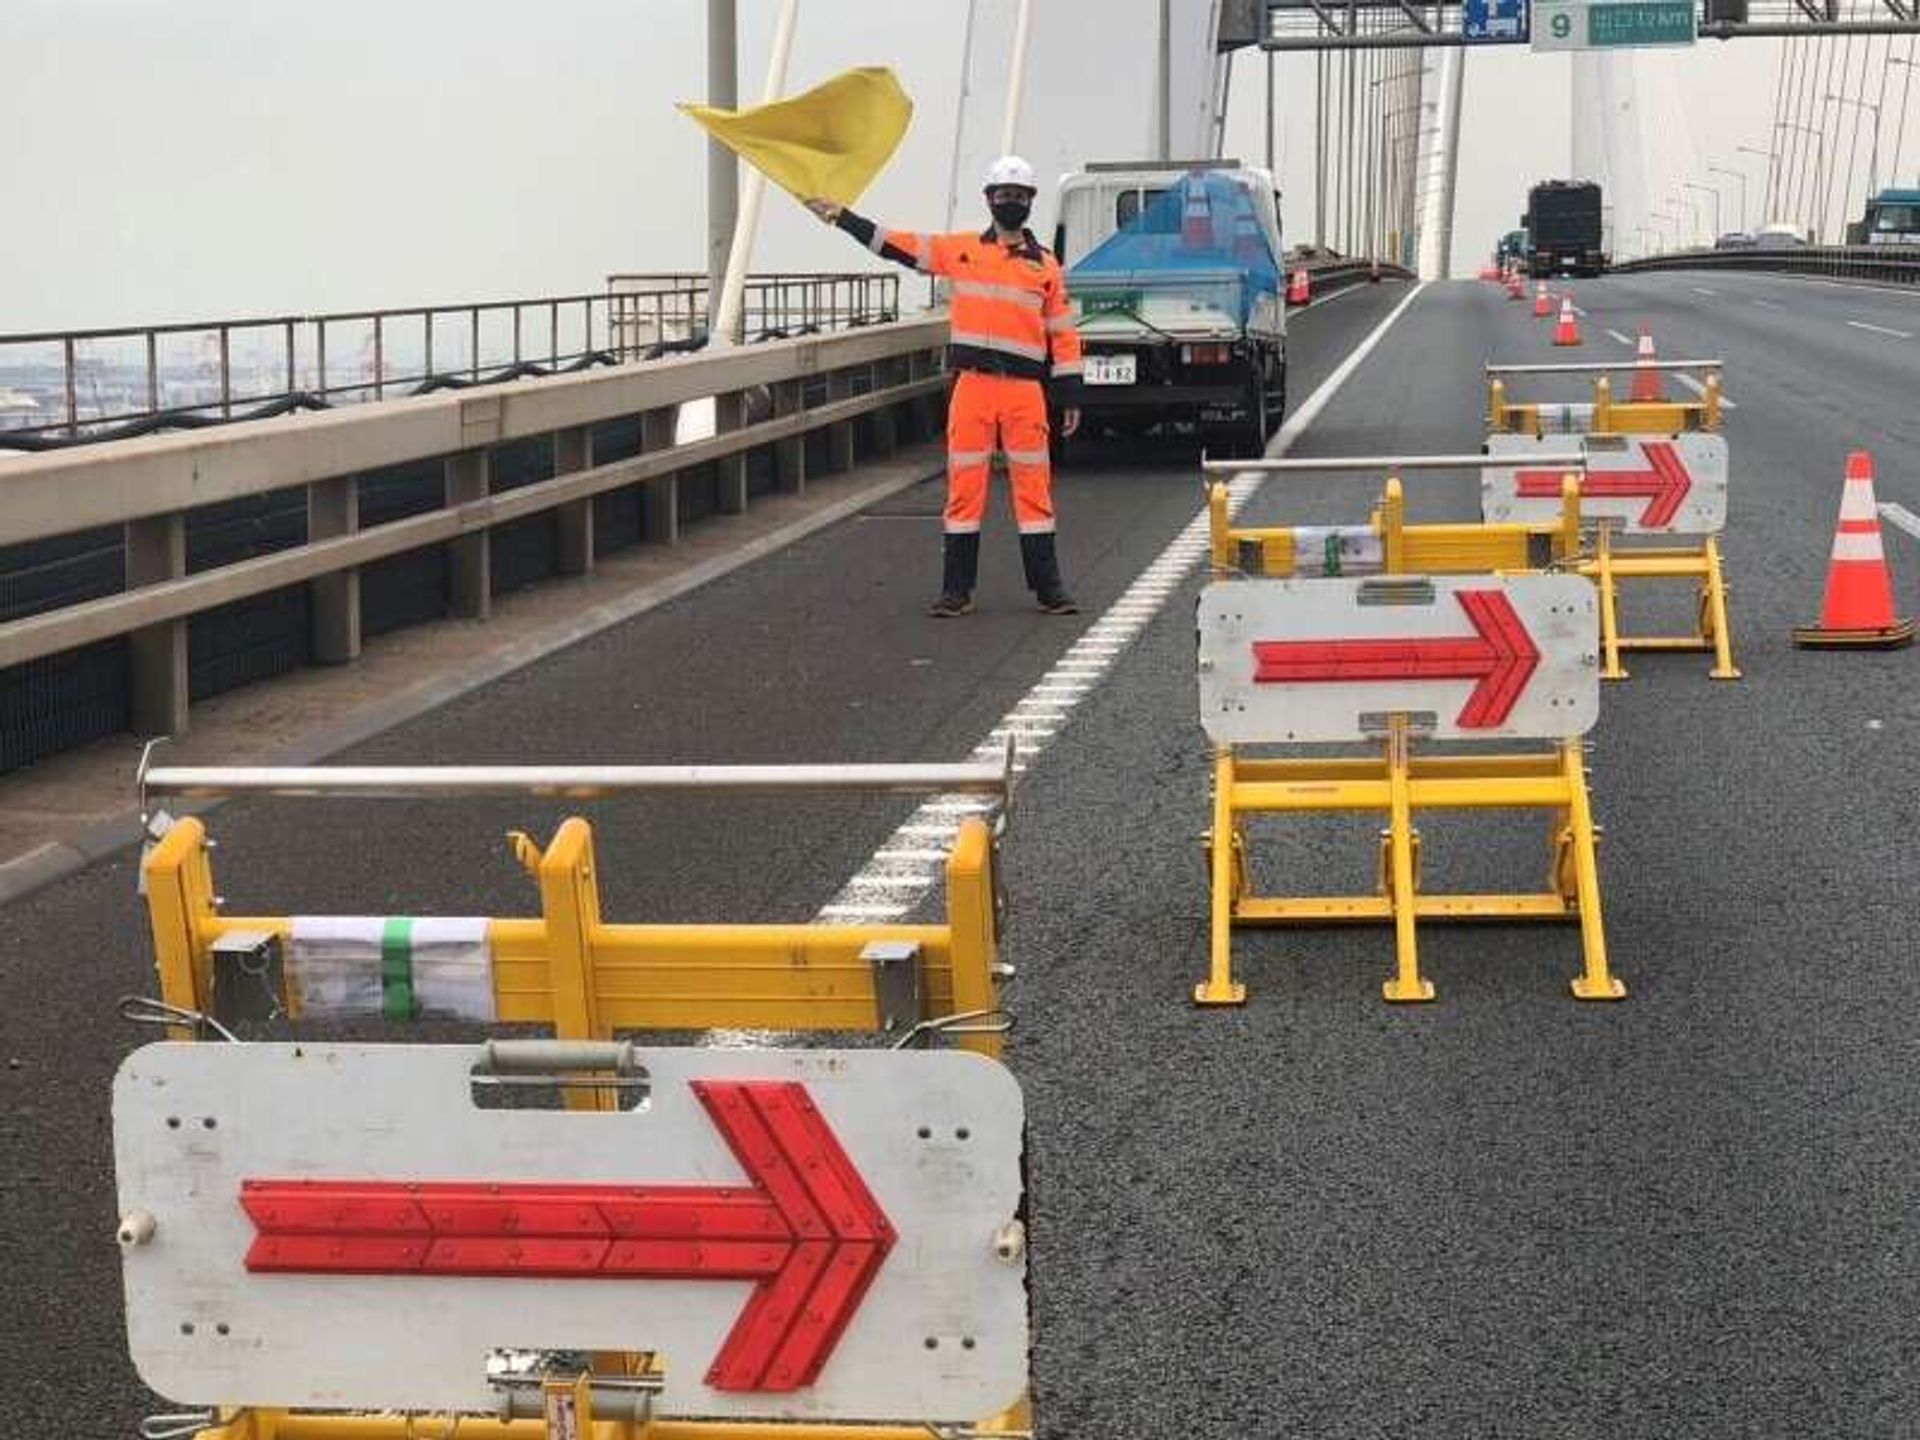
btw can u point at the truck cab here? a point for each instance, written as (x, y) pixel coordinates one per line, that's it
(1892, 218)
(1174, 270)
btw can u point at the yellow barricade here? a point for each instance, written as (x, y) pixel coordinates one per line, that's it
(1610, 562)
(586, 978)
(1395, 783)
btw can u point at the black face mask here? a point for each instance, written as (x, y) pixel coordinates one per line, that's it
(1011, 214)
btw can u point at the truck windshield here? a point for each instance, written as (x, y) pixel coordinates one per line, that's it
(1131, 202)
(1897, 220)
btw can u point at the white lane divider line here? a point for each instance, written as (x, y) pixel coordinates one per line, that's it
(1899, 515)
(1769, 305)
(1699, 388)
(1618, 336)
(878, 891)
(1702, 290)
(1881, 330)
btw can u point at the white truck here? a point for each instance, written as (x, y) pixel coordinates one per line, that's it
(1189, 332)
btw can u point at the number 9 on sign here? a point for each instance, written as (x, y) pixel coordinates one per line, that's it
(1562, 26)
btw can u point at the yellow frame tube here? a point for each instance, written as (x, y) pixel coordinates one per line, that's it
(589, 978)
(1220, 988)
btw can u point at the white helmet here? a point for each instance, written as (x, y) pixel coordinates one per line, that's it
(1010, 170)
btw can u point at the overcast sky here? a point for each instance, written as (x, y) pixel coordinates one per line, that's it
(176, 159)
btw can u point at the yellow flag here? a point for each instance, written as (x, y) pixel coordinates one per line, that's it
(829, 142)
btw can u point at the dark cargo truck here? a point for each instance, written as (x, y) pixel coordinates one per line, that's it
(1564, 229)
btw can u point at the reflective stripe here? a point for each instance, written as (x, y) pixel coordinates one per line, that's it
(986, 290)
(923, 261)
(1849, 546)
(969, 457)
(1062, 321)
(877, 240)
(1036, 527)
(963, 527)
(995, 342)
(1856, 501)
(1026, 457)
(1069, 367)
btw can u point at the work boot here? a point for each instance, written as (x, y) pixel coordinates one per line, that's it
(960, 566)
(1042, 565)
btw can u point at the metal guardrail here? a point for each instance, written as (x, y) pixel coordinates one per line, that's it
(1892, 264)
(767, 397)
(68, 383)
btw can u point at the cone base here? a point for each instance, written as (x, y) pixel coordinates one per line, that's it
(1892, 637)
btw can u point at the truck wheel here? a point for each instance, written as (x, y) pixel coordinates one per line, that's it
(1255, 429)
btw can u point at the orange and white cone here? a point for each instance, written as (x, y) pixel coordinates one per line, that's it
(1566, 331)
(1646, 378)
(1516, 287)
(1858, 613)
(1542, 302)
(1299, 287)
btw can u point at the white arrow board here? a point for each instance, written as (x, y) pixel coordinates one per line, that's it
(1638, 484)
(1462, 656)
(802, 1235)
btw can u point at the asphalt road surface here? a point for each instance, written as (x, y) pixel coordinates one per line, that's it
(1505, 1214)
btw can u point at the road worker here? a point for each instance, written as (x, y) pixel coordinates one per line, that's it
(1012, 337)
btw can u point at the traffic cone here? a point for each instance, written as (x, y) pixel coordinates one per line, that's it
(1858, 613)
(1516, 287)
(1299, 287)
(1542, 302)
(1646, 379)
(1566, 332)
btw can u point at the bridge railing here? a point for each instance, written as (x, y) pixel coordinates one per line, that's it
(62, 385)
(1891, 264)
(477, 464)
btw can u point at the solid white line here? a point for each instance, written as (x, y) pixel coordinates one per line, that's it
(1080, 664)
(1899, 515)
(1702, 290)
(1881, 330)
(1618, 336)
(1701, 390)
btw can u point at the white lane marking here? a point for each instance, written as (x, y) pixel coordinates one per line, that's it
(1578, 311)
(1702, 290)
(1769, 305)
(1881, 330)
(1700, 389)
(1618, 336)
(1075, 675)
(1901, 516)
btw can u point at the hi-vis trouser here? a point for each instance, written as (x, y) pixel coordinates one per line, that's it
(989, 411)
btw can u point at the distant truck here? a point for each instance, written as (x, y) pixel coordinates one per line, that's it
(1564, 230)
(1176, 276)
(1512, 250)
(1892, 218)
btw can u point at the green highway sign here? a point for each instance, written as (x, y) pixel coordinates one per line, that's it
(1611, 24)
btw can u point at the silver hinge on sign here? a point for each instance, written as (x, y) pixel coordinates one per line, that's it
(897, 1001)
(1378, 724)
(247, 976)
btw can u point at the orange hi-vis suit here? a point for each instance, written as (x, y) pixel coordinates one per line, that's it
(1012, 335)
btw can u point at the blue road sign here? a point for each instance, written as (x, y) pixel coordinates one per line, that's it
(1493, 22)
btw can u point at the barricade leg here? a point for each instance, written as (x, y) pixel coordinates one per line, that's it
(1610, 666)
(179, 881)
(1406, 986)
(570, 905)
(1595, 981)
(1220, 988)
(1713, 603)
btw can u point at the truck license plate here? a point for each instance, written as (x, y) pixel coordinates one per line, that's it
(1110, 369)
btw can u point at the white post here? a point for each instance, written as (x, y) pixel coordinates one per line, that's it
(1436, 260)
(1016, 78)
(960, 113)
(726, 317)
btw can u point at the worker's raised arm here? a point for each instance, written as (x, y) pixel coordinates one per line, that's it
(903, 247)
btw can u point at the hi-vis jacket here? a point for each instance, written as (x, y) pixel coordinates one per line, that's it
(1011, 315)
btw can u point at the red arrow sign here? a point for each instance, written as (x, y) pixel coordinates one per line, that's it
(807, 1232)
(1500, 655)
(1663, 487)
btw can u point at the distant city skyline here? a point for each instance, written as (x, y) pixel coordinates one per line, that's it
(211, 159)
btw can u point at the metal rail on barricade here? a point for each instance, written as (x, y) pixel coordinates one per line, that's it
(1657, 471)
(1456, 636)
(353, 1169)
